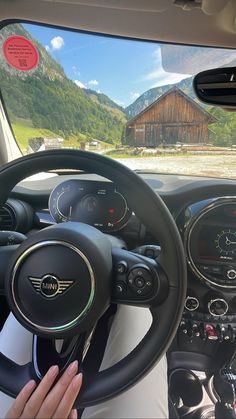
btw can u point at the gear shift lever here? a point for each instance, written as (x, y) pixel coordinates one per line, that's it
(224, 383)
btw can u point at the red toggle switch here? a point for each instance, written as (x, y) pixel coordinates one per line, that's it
(211, 332)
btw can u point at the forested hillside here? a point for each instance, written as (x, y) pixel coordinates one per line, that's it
(49, 100)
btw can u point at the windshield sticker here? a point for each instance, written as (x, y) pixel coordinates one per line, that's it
(20, 53)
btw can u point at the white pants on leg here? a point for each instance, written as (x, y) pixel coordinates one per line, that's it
(147, 399)
(16, 344)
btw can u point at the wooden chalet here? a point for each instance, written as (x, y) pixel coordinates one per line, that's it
(173, 117)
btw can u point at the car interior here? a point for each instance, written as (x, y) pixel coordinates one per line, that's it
(162, 241)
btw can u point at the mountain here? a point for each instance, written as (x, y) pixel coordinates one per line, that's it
(148, 97)
(107, 104)
(49, 100)
(183, 60)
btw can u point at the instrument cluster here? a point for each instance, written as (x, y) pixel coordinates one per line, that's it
(96, 203)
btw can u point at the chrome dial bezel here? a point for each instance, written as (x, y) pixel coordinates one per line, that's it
(216, 203)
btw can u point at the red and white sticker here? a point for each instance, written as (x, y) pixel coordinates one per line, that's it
(20, 53)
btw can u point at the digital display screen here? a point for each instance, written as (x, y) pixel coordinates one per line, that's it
(217, 243)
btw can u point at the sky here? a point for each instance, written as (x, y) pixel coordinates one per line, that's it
(121, 69)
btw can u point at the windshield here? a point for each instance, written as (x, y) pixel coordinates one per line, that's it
(130, 100)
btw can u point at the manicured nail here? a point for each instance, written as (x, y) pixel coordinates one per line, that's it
(31, 384)
(74, 414)
(54, 370)
(73, 368)
(77, 380)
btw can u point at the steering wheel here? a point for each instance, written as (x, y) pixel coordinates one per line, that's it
(59, 281)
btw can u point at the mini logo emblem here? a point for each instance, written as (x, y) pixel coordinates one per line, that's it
(49, 285)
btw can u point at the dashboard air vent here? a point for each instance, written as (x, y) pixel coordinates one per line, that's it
(7, 218)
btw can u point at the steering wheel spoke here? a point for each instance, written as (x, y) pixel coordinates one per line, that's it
(60, 353)
(137, 280)
(6, 253)
(13, 377)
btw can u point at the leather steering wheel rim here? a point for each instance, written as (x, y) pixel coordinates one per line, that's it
(153, 213)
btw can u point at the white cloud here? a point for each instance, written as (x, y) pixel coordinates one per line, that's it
(99, 91)
(47, 47)
(93, 83)
(80, 84)
(134, 95)
(75, 70)
(159, 76)
(57, 42)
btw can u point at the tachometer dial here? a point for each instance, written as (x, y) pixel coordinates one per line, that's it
(226, 242)
(62, 201)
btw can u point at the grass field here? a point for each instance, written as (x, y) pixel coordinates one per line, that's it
(23, 131)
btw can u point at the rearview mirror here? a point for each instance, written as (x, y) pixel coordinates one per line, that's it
(217, 87)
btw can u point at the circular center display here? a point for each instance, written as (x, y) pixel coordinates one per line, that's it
(211, 242)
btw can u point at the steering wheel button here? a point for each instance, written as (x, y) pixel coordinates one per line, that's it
(139, 282)
(121, 268)
(120, 288)
(131, 280)
(140, 272)
(150, 253)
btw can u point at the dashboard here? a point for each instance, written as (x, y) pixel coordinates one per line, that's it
(204, 210)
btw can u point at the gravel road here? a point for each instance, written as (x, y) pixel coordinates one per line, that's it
(223, 166)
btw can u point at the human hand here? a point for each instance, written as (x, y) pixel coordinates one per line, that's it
(44, 401)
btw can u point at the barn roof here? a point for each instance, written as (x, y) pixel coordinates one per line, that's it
(211, 119)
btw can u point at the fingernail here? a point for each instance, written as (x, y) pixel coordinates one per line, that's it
(53, 371)
(74, 414)
(77, 381)
(73, 368)
(31, 384)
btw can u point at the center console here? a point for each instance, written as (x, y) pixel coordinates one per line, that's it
(208, 230)
(207, 333)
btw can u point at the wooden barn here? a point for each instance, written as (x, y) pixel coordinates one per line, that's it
(173, 117)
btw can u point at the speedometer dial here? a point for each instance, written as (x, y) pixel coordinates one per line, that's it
(62, 201)
(96, 203)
